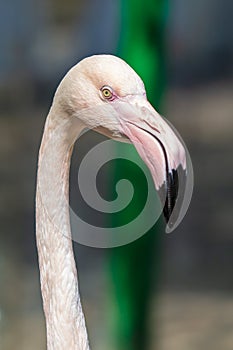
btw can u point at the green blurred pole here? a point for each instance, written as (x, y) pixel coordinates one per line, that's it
(142, 42)
(135, 267)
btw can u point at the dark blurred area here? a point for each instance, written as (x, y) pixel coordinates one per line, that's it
(39, 42)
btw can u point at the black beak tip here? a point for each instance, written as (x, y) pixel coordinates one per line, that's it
(169, 195)
(172, 186)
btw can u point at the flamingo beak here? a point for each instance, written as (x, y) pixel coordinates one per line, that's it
(164, 153)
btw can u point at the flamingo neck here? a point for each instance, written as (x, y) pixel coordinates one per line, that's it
(65, 323)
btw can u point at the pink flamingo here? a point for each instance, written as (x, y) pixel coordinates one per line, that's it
(82, 100)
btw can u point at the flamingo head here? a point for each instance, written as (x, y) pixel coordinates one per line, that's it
(107, 95)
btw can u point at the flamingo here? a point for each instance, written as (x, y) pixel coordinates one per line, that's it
(101, 92)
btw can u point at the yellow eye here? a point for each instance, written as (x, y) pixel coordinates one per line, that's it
(106, 92)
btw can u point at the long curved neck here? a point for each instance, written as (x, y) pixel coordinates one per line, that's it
(65, 324)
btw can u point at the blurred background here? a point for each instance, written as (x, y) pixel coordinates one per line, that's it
(191, 301)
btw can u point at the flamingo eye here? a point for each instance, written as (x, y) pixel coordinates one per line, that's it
(106, 92)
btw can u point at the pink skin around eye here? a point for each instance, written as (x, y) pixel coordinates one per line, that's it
(114, 97)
